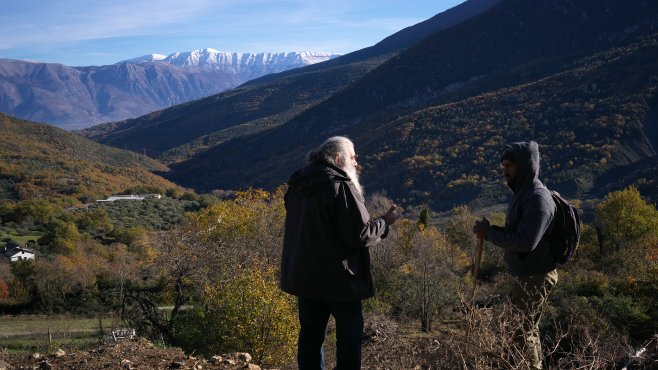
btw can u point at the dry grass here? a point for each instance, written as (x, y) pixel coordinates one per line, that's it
(37, 333)
(483, 338)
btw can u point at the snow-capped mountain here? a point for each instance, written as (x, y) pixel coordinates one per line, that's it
(74, 97)
(147, 58)
(244, 66)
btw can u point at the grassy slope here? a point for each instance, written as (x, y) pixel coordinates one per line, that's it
(40, 160)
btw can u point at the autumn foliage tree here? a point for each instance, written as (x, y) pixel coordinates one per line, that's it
(625, 220)
(60, 237)
(417, 271)
(247, 312)
(220, 261)
(627, 228)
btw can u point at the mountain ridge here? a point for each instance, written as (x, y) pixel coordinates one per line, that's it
(245, 66)
(76, 97)
(264, 102)
(403, 38)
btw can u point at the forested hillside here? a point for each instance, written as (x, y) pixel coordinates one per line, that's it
(589, 119)
(41, 161)
(579, 78)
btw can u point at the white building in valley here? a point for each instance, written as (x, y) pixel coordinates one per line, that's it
(115, 198)
(15, 253)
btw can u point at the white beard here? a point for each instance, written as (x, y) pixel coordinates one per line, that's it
(354, 177)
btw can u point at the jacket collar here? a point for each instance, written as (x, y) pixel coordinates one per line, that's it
(313, 177)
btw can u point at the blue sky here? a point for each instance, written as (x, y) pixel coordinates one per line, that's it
(98, 32)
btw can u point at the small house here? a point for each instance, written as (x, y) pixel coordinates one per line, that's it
(16, 253)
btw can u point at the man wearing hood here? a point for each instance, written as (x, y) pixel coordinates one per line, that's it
(524, 241)
(325, 260)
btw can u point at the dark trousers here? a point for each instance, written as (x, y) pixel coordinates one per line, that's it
(313, 318)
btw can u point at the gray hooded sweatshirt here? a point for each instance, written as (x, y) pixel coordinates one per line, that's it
(529, 217)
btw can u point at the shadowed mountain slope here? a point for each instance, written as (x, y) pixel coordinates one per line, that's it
(402, 39)
(181, 131)
(579, 77)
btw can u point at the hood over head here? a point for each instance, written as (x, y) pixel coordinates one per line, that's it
(526, 157)
(314, 177)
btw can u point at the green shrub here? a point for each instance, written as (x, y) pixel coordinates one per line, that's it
(625, 312)
(248, 313)
(585, 283)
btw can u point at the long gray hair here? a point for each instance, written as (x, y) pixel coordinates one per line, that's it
(337, 147)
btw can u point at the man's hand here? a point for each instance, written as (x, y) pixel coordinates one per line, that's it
(481, 228)
(391, 215)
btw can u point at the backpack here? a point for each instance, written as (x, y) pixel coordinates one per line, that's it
(565, 235)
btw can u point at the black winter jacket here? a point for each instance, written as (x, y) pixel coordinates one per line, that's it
(327, 234)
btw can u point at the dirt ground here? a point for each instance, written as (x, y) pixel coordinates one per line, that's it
(128, 354)
(386, 346)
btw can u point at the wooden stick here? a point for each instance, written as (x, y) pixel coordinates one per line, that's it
(476, 266)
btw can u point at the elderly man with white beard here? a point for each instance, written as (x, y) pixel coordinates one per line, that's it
(325, 260)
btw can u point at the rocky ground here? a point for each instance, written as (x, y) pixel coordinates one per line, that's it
(386, 346)
(128, 354)
(382, 349)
